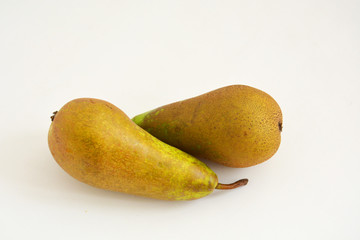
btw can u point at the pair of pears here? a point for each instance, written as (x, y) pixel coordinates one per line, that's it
(96, 143)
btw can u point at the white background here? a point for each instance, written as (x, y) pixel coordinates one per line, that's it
(143, 54)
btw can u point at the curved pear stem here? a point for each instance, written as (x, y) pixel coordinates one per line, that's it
(53, 116)
(236, 184)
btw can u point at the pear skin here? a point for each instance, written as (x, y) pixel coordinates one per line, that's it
(237, 126)
(96, 143)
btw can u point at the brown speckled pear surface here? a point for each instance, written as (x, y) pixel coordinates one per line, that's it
(237, 126)
(96, 143)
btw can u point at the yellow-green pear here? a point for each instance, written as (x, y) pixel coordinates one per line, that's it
(237, 126)
(96, 143)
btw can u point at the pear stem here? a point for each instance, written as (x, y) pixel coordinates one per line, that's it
(53, 116)
(236, 184)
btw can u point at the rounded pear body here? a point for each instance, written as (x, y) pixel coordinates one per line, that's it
(237, 126)
(96, 143)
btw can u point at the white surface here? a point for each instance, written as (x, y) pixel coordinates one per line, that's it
(143, 54)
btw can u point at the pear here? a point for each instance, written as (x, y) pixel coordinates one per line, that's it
(237, 126)
(96, 143)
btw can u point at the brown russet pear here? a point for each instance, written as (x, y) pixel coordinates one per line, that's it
(96, 143)
(237, 126)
